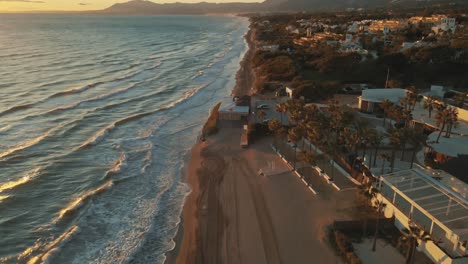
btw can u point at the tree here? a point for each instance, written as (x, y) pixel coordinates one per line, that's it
(281, 108)
(295, 134)
(379, 205)
(261, 115)
(386, 106)
(428, 104)
(384, 157)
(275, 127)
(412, 235)
(308, 158)
(417, 140)
(441, 119)
(452, 120)
(375, 142)
(395, 136)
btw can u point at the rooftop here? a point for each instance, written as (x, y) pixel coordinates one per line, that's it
(441, 196)
(453, 146)
(378, 95)
(229, 106)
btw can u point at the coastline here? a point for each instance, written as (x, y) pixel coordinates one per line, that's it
(187, 236)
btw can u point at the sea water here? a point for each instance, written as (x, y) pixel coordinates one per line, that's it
(96, 116)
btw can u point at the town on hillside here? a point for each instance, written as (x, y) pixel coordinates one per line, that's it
(373, 101)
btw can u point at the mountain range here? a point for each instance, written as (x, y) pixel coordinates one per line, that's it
(148, 7)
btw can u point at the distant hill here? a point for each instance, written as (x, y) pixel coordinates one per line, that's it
(148, 7)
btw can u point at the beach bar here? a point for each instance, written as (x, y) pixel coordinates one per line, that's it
(232, 112)
(436, 202)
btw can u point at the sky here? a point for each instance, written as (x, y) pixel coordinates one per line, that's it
(77, 5)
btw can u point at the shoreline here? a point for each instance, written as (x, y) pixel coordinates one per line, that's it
(186, 239)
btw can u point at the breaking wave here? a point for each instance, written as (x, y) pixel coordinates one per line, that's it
(24, 145)
(75, 90)
(119, 165)
(30, 175)
(93, 99)
(82, 199)
(50, 249)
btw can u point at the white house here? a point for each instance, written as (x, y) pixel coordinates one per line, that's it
(290, 92)
(370, 99)
(446, 25)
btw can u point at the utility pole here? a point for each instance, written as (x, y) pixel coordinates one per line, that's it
(388, 75)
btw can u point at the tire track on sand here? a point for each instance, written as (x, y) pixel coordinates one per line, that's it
(267, 231)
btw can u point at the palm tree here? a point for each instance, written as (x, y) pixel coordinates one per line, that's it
(275, 127)
(281, 108)
(309, 158)
(412, 97)
(313, 133)
(452, 120)
(261, 115)
(395, 136)
(372, 194)
(417, 140)
(375, 142)
(428, 104)
(295, 134)
(384, 157)
(386, 106)
(405, 134)
(412, 235)
(441, 117)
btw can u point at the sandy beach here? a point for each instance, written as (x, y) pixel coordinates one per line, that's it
(234, 215)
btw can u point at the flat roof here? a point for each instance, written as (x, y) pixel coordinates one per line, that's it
(453, 146)
(421, 115)
(379, 95)
(439, 201)
(229, 106)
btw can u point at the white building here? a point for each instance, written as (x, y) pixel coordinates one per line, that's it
(446, 25)
(436, 202)
(271, 48)
(290, 92)
(370, 99)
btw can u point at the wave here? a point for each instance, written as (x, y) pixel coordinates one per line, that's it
(17, 108)
(147, 161)
(5, 128)
(30, 175)
(156, 65)
(50, 248)
(97, 138)
(24, 145)
(81, 200)
(133, 99)
(186, 96)
(119, 165)
(4, 197)
(93, 99)
(75, 90)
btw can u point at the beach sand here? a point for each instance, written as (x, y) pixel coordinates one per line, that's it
(233, 215)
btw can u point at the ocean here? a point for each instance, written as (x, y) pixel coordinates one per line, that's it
(97, 114)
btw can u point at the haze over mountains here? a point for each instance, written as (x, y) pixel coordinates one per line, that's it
(148, 7)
